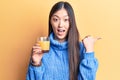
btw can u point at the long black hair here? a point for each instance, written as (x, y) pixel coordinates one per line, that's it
(72, 37)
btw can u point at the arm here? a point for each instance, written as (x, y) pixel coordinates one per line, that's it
(88, 66)
(36, 67)
(35, 73)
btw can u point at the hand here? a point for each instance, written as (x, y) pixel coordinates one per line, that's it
(89, 42)
(36, 55)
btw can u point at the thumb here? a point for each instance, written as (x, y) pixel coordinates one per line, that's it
(97, 38)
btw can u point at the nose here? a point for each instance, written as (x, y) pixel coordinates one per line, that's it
(61, 23)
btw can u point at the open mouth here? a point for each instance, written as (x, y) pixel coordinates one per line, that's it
(61, 30)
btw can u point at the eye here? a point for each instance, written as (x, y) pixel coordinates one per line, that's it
(55, 19)
(66, 20)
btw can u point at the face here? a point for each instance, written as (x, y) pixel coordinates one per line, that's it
(60, 24)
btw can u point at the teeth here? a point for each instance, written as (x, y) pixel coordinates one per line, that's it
(61, 30)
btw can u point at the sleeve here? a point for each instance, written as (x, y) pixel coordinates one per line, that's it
(88, 66)
(35, 73)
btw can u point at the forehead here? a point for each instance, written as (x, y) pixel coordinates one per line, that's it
(61, 13)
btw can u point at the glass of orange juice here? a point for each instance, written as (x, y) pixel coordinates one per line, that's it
(44, 43)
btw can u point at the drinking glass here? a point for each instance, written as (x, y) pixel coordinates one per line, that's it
(44, 43)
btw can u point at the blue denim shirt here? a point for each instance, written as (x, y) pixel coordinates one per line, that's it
(55, 64)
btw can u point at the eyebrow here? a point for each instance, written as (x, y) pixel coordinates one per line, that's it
(63, 16)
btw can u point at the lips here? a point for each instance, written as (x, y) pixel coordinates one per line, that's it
(61, 31)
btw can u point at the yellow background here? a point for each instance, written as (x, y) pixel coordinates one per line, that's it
(22, 21)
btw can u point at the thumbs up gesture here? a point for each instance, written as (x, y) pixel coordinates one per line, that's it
(89, 42)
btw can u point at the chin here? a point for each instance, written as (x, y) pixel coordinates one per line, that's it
(61, 38)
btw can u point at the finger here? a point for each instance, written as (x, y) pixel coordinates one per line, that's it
(36, 47)
(37, 44)
(98, 38)
(37, 51)
(87, 36)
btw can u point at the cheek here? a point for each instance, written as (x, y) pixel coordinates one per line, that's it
(67, 26)
(54, 25)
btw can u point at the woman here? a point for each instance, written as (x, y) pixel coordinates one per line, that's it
(67, 59)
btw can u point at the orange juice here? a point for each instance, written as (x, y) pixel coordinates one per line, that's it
(44, 45)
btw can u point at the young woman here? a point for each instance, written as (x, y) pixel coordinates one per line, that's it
(67, 59)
